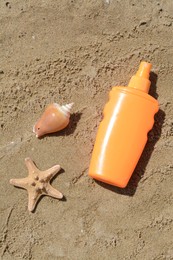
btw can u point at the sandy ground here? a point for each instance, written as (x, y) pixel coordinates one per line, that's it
(75, 51)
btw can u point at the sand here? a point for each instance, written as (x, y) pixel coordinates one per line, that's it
(75, 51)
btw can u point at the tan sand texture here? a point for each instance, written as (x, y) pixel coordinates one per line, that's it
(75, 51)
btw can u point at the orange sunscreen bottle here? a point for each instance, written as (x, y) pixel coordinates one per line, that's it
(122, 134)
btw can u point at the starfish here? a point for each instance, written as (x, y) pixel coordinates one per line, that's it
(37, 183)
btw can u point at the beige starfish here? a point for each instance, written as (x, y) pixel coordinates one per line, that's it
(37, 183)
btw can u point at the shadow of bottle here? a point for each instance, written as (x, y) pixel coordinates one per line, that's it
(153, 136)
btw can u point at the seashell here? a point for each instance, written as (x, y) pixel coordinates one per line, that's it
(54, 118)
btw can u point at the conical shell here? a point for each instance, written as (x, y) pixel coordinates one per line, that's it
(54, 118)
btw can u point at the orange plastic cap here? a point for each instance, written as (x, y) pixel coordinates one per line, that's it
(141, 80)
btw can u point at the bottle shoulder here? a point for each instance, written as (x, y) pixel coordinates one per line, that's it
(133, 91)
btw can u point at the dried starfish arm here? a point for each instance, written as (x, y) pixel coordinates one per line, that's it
(30, 165)
(22, 183)
(33, 198)
(50, 173)
(53, 192)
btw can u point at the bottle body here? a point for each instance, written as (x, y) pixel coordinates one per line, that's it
(122, 135)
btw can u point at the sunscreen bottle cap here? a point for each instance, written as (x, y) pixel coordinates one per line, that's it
(141, 80)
